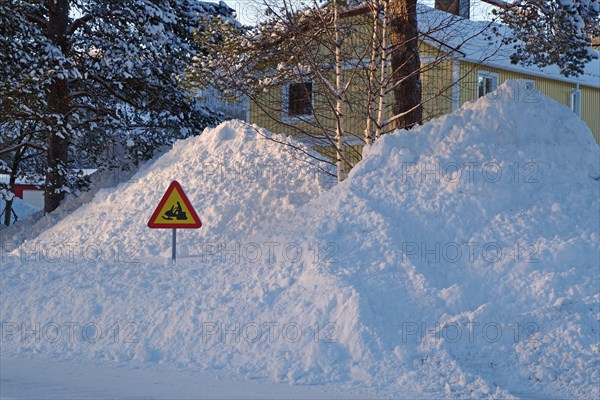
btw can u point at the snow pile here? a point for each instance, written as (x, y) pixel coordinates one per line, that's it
(457, 260)
(472, 247)
(236, 178)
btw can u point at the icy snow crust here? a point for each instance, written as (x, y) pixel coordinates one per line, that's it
(460, 259)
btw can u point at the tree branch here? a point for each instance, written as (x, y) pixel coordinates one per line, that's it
(118, 95)
(79, 22)
(20, 145)
(77, 95)
(41, 22)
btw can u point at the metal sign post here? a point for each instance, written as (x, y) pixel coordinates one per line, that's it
(174, 246)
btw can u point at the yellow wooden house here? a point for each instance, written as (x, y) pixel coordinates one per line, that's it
(461, 60)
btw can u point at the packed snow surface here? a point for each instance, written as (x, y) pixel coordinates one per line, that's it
(460, 259)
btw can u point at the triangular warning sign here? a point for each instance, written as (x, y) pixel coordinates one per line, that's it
(174, 210)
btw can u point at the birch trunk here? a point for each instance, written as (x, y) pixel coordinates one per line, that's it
(383, 68)
(375, 60)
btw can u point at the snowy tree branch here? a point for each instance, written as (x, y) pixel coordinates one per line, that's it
(78, 23)
(21, 145)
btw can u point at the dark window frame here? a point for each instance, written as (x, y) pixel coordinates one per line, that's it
(298, 100)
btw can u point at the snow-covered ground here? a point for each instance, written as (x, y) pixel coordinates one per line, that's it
(22, 378)
(21, 208)
(460, 259)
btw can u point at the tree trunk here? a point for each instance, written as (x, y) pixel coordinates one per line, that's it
(383, 68)
(341, 94)
(58, 140)
(56, 173)
(11, 184)
(374, 62)
(405, 63)
(8, 211)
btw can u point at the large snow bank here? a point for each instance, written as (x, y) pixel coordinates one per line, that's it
(458, 259)
(472, 247)
(238, 179)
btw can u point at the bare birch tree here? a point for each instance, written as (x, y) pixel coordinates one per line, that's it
(347, 53)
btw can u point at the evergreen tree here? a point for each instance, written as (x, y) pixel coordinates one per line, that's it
(547, 32)
(91, 74)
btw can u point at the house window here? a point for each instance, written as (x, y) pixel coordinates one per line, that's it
(298, 100)
(487, 82)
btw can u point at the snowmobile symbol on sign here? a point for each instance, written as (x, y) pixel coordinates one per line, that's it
(174, 210)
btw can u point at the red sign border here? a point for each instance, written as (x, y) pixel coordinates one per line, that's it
(174, 186)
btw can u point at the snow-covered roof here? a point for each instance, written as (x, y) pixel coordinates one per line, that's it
(475, 41)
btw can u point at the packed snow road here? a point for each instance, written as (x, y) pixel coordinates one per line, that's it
(50, 379)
